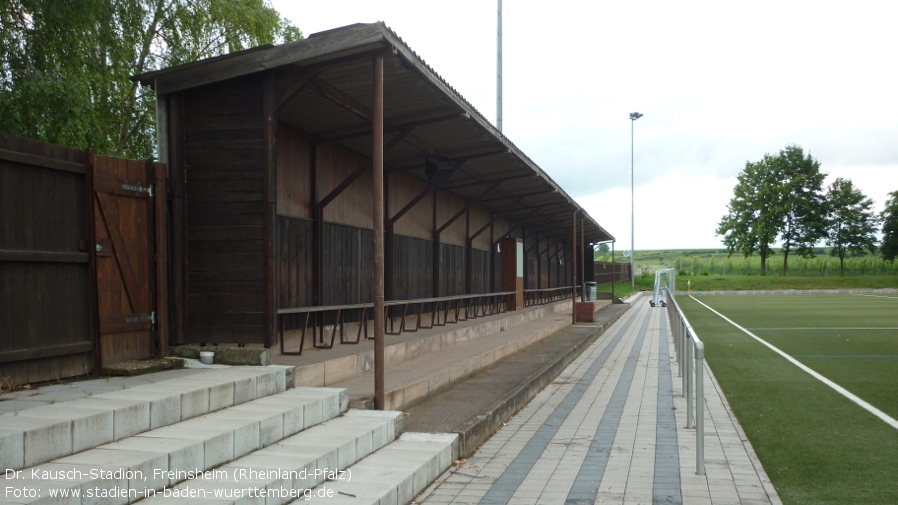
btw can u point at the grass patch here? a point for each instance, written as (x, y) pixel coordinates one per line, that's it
(817, 446)
(621, 289)
(756, 282)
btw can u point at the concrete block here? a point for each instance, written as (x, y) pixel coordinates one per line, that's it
(415, 392)
(141, 467)
(129, 417)
(90, 427)
(285, 376)
(194, 397)
(42, 488)
(267, 384)
(246, 432)
(244, 389)
(44, 439)
(12, 448)
(395, 399)
(269, 426)
(396, 417)
(341, 369)
(183, 455)
(218, 444)
(221, 392)
(310, 375)
(164, 407)
(321, 404)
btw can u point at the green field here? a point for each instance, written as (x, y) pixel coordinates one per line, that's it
(817, 446)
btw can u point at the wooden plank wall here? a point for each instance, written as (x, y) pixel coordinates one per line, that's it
(224, 169)
(347, 232)
(45, 304)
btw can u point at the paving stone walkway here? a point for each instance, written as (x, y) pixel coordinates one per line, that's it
(610, 429)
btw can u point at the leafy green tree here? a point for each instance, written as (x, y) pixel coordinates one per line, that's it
(800, 191)
(851, 223)
(65, 66)
(753, 218)
(889, 218)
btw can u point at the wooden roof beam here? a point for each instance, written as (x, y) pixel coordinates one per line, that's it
(411, 204)
(524, 195)
(342, 100)
(296, 87)
(342, 187)
(327, 139)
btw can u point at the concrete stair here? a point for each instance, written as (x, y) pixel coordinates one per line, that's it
(345, 362)
(273, 449)
(425, 363)
(166, 456)
(394, 475)
(45, 433)
(412, 381)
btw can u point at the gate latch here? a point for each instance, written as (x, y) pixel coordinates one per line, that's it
(151, 317)
(139, 189)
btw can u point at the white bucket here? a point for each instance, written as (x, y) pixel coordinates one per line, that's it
(206, 357)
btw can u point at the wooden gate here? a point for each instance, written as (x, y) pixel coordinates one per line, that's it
(129, 239)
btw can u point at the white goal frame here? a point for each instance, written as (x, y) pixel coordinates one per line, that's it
(665, 282)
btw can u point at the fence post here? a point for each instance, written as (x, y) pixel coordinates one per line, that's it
(699, 408)
(690, 395)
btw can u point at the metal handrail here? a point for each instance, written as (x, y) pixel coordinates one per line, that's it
(463, 307)
(691, 361)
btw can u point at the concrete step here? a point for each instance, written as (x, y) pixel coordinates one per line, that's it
(40, 434)
(413, 381)
(166, 456)
(344, 361)
(289, 468)
(395, 474)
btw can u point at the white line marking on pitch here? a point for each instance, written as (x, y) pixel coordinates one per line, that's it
(876, 296)
(865, 328)
(839, 389)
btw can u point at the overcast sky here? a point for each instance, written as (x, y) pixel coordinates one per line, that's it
(720, 83)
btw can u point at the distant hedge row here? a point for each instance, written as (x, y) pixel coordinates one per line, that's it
(820, 265)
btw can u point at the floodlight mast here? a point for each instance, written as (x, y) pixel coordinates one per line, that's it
(633, 117)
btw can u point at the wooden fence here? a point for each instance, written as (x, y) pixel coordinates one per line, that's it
(77, 260)
(605, 271)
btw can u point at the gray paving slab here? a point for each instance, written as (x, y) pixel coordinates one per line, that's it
(610, 429)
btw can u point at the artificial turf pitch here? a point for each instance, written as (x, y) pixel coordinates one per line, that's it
(817, 446)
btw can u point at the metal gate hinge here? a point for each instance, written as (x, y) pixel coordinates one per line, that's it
(151, 317)
(139, 189)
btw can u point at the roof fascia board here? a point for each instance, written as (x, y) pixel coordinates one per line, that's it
(338, 44)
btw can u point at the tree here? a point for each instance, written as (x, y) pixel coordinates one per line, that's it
(753, 218)
(65, 67)
(851, 224)
(800, 192)
(889, 218)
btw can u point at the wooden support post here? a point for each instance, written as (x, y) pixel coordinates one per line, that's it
(317, 233)
(539, 263)
(161, 260)
(613, 270)
(469, 254)
(377, 212)
(583, 259)
(492, 255)
(269, 136)
(94, 291)
(436, 248)
(388, 241)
